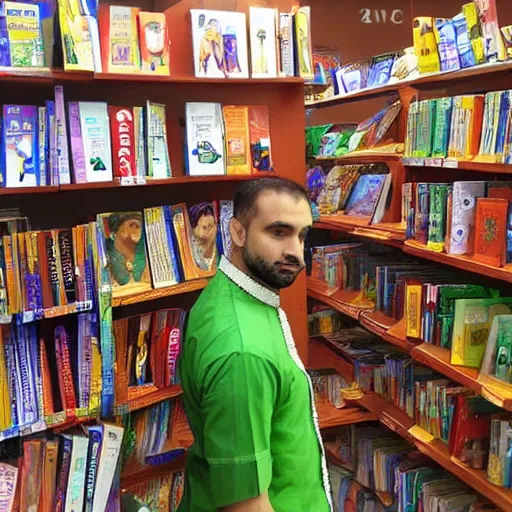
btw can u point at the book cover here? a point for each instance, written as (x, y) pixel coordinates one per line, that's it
(353, 77)
(109, 455)
(21, 151)
(259, 135)
(425, 45)
(51, 134)
(303, 46)
(8, 484)
(470, 11)
(506, 33)
(76, 37)
(421, 212)
(364, 196)
(497, 358)
(196, 240)
(154, 43)
(76, 479)
(24, 32)
(49, 475)
(205, 139)
(61, 143)
(236, 126)
(220, 44)
(442, 126)
(286, 45)
(66, 446)
(119, 39)
(42, 141)
(466, 55)
(262, 37)
(380, 69)
(77, 145)
(492, 40)
(95, 434)
(490, 231)
(161, 249)
(464, 197)
(438, 193)
(123, 236)
(30, 477)
(159, 164)
(225, 214)
(123, 141)
(446, 39)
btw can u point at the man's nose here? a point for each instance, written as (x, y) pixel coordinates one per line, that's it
(295, 251)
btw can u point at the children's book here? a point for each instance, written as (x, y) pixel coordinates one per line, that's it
(123, 141)
(20, 148)
(497, 361)
(492, 40)
(365, 195)
(119, 39)
(236, 126)
(205, 139)
(303, 46)
(286, 45)
(466, 55)
(159, 164)
(154, 43)
(220, 44)
(490, 231)
(446, 39)
(425, 45)
(259, 135)
(195, 229)
(380, 69)
(125, 246)
(470, 12)
(263, 40)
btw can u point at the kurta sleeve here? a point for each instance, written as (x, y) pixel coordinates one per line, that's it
(238, 401)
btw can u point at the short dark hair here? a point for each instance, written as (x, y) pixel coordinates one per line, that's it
(197, 211)
(244, 207)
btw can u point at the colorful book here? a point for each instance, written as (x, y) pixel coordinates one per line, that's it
(154, 43)
(464, 47)
(490, 231)
(219, 44)
(159, 164)
(61, 141)
(286, 45)
(123, 141)
(259, 135)
(470, 12)
(438, 193)
(446, 38)
(425, 45)
(262, 37)
(492, 40)
(76, 479)
(236, 126)
(303, 46)
(95, 434)
(365, 195)
(9, 482)
(139, 132)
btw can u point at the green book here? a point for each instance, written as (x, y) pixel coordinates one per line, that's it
(442, 121)
(438, 193)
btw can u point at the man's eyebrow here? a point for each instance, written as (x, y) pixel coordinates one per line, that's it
(279, 225)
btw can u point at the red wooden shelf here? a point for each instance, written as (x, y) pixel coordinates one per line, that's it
(186, 287)
(9, 191)
(147, 399)
(131, 478)
(492, 168)
(366, 156)
(330, 417)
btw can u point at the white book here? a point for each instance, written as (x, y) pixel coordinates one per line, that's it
(205, 139)
(220, 44)
(95, 128)
(110, 451)
(286, 44)
(262, 36)
(76, 478)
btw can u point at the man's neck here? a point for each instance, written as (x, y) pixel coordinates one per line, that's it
(237, 259)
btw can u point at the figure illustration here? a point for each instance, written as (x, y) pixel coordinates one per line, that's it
(204, 235)
(211, 51)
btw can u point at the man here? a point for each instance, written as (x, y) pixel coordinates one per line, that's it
(247, 396)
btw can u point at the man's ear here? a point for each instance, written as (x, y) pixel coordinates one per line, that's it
(238, 232)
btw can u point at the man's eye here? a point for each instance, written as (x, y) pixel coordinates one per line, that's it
(279, 233)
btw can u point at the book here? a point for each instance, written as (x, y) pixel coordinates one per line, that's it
(125, 249)
(76, 143)
(30, 477)
(365, 195)
(66, 447)
(425, 45)
(154, 43)
(123, 141)
(446, 38)
(225, 215)
(506, 33)
(205, 139)
(438, 193)
(9, 481)
(490, 231)
(21, 151)
(492, 40)
(262, 37)
(259, 136)
(466, 55)
(236, 128)
(49, 475)
(95, 434)
(303, 46)
(286, 45)
(119, 38)
(139, 132)
(470, 12)
(159, 164)
(76, 480)
(61, 141)
(219, 44)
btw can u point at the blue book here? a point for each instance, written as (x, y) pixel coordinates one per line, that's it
(5, 50)
(51, 144)
(93, 459)
(466, 55)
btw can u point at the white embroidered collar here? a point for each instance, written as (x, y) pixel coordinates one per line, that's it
(249, 285)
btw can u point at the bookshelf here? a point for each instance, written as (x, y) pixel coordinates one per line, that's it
(323, 353)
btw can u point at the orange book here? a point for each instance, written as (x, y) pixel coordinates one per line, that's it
(259, 136)
(49, 476)
(119, 39)
(46, 380)
(30, 477)
(491, 231)
(236, 124)
(154, 43)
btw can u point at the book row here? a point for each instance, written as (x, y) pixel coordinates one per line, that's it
(52, 375)
(86, 142)
(376, 465)
(471, 127)
(81, 470)
(357, 190)
(464, 218)
(444, 409)
(121, 39)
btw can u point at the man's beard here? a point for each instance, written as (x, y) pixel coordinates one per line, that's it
(269, 274)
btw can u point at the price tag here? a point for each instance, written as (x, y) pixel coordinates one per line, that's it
(127, 180)
(5, 319)
(140, 180)
(451, 164)
(434, 162)
(28, 316)
(416, 162)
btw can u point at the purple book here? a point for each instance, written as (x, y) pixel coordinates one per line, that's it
(5, 51)
(77, 146)
(62, 137)
(51, 134)
(62, 481)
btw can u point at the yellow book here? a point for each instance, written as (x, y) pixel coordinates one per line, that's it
(425, 45)
(5, 398)
(413, 294)
(470, 11)
(238, 150)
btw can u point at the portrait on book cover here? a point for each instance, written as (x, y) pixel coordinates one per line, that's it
(204, 225)
(126, 250)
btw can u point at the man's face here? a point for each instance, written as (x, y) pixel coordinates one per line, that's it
(206, 230)
(130, 230)
(274, 249)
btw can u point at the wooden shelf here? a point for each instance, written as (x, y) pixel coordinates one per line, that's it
(492, 168)
(330, 417)
(10, 191)
(149, 398)
(365, 157)
(341, 301)
(462, 262)
(186, 287)
(429, 81)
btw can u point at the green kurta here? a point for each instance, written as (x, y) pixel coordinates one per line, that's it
(248, 403)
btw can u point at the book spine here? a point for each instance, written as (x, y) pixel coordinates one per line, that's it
(42, 144)
(76, 480)
(93, 460)
(123, 141)
(51, 143)
(96, 373)
(77, 145)
(65, 373)
(62, 137)
(62, 483)
(286, 44)
(140, 147)
(66, 263)
(85, 359)
(48, 407)
(8, 484)
(49, 476)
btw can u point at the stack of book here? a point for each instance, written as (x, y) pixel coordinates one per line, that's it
(78, 471)
(470, 218)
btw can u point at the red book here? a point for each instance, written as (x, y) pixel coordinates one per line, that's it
(491, 231)
(123, 141)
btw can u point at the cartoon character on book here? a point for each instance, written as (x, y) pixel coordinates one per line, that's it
(126, 249)
(23, 148)
(155, 43)
(206, 153)
(211, 51)
(303, 44)
(203, 222)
